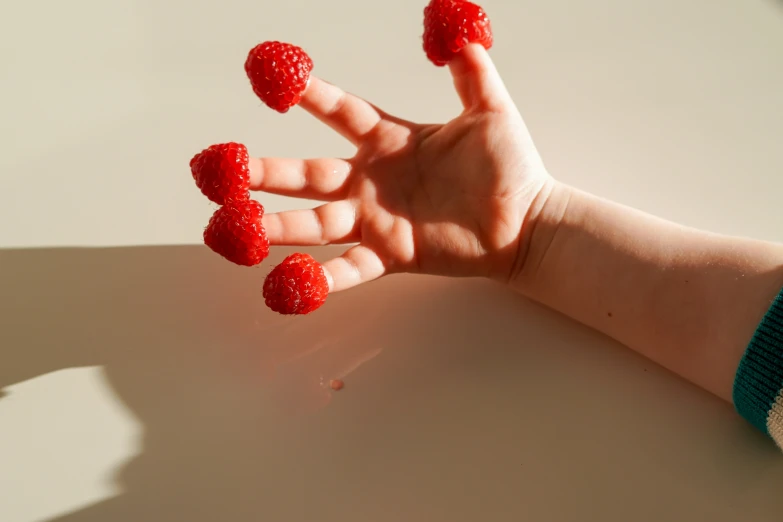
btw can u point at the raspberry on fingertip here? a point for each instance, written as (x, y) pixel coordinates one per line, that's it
(298, 285)
(236, 233)
(221, 172)
(279, 73)
(450, 25)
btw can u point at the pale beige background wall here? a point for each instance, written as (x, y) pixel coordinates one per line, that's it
(140, 382)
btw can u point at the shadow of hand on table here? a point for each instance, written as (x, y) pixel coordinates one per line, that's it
(231, 396)
(188, 345)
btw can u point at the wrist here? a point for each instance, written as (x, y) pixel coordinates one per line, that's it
(541, 225)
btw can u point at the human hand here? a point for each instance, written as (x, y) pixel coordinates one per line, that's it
(455, 200)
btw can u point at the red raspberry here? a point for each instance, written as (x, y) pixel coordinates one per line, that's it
(450, 25)
(236, 233)
(221, 172)
(278, 73)
(298, 285)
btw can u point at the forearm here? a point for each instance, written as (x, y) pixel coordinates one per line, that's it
(686, 299)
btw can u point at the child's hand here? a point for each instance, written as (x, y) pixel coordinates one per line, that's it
(438, 199)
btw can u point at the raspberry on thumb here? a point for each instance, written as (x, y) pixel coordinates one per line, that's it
(450, 25)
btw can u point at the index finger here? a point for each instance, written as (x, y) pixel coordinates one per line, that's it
(349, 115)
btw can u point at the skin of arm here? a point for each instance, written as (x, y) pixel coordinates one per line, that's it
(687, 299)
(473, 198)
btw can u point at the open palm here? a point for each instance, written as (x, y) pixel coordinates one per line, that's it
(439, 199)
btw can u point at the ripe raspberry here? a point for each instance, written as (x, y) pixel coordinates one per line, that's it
(449, 25)
(221, 172)
(298, 285)
(235, 232)
(278, 73)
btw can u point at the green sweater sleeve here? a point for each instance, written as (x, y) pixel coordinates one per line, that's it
(758, 385)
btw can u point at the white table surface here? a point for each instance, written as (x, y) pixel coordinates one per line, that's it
(143, 378)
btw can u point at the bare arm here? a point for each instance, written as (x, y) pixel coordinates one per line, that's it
(472, 197)
(686, 299)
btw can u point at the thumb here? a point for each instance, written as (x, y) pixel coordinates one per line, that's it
(476, 79)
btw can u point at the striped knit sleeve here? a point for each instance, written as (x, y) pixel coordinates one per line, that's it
(758, 385)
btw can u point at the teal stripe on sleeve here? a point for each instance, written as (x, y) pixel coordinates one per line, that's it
(759, 378)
